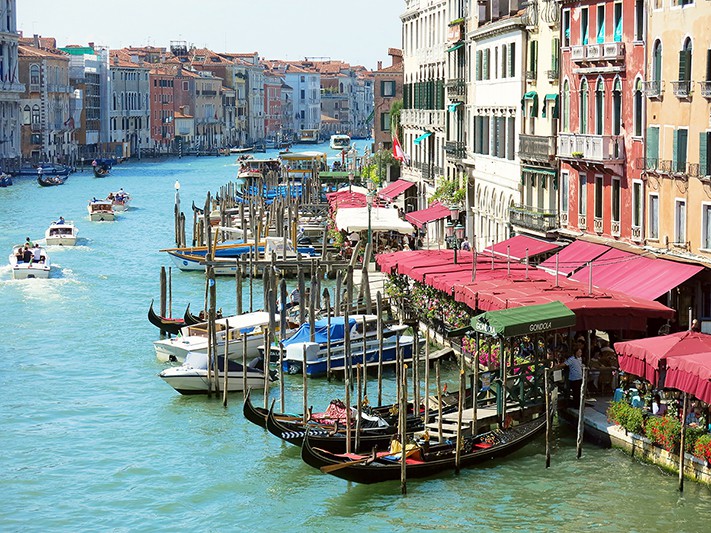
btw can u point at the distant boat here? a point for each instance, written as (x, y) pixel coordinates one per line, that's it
(61, 234)
(340, 142)
(101, 210)
(309, 136)
(51, 181)
(241, 149)
(102, 167)
(5, 180)
(45, 168)
(119, 200)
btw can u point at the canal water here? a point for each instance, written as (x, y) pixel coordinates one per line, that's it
(93, 440)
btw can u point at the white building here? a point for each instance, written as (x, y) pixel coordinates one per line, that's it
(130, 103)
(10, 86)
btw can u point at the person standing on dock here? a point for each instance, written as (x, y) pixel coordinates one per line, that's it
(575, 374)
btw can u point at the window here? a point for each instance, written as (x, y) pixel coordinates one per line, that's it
(657, 64)
(704, 160)
(555, 56)
(533, 60)
(387, 88)
(653, 225)
(385, 121)
(582, 194)
(601, 23)
(679, 150)
(617, 35)
(637, 204)
(26, 115)
(615, 200)
(511, 135)
(685, 61)
(185, 85)
(583, 107)
(599, 107)
(564, 192)
(566, 28)
(485, 64)
(478, 64)
(584, 25)
(35, 114)
(34, 74)
(496, 63)
(639, 20)
(617, 107)
(638, 108)
(598, 196)
(504, 61)
(652, 147)
(680, 222)
(706, 229)
(512, 60)
(566, 106)
(303, 94)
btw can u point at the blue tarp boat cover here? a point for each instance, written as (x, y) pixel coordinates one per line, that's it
(303, 334)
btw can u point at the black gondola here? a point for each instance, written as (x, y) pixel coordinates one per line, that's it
(101, 171)
(169, 325)
(51, 181)
(258, 415)
(427, 461)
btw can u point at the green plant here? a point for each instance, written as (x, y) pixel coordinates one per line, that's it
(577, 154)
(702, 448)
(448, 192)
(693, 434)
(665, 431)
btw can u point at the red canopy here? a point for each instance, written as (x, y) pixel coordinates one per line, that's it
(395, 189)
(644, 277)
(573, 256)
(346, 198)
(516, 247)
(686, 355)
(436, 211)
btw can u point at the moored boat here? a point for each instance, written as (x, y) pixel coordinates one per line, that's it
(427, 460)
(51, 181)
(61, 233)
(169, 325)
(192, 376)
(44, 168)
(101, 210)
(29, 263)
(257, 168)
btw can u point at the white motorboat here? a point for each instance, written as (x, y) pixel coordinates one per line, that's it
(61, 233)
(25, 266)
(194, 338)
(101, 210)
(119, 200)
(340, 142)
(192, 376)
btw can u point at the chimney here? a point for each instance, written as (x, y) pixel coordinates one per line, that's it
(380, 65)
(36, 41)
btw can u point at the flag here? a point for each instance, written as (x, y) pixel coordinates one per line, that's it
(399, 153)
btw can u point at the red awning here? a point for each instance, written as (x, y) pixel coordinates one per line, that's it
(516, 247)
(419, 218)
(395, 189)
(691, 373)
(639, 276)
(573, 257)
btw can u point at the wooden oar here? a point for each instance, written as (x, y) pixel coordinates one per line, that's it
(332, 468)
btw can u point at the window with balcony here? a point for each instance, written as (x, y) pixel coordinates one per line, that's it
(554, 72)
(532, 72)
(598, 196)
(584, 23)
(682, 88)
(653, 223)
(564, 192)
(566, 106)
(680, 222)
(617, 106)
(638, 119)
(583, 107)
(615, 200)
(582, 194)
(566, 28)
(599, 107)
(636, 204)
(706, 227)
(656, 80)
(600, 24)
(679, 150)
(652, 148)
(387, 89)
(617, 34)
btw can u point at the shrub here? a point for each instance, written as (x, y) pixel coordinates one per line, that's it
(635, 421)
(664, 431)
(693, 434)
(702, 448)
(617, 412)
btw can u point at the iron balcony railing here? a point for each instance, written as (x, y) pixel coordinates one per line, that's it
(533, 218)
(455, 149)
(652, 89)
(681, 88)
(539, 148)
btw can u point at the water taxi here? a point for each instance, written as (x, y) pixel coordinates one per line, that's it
(309, 136)
(340, 142)
(101, 210)
(257, 168)
(28, 263)
(61, 233)
(119, 199)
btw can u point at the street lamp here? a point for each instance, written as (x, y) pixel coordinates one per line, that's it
(455, 233)
(351, 177)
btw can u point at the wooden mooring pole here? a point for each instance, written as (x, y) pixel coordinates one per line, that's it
(581, 413)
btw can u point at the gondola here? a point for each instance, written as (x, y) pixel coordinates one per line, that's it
(100, 171)
(169, 325)
(258, 415)
(427, 461)
(51, 181)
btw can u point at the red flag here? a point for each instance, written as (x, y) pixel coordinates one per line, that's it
(399, 153)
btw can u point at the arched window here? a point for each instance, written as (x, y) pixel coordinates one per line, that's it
(657, 64)
(685, 61)
(638, 108)
(583, 108)
(34, 74)
(566, 106)
(26, 115)
(114, 102)
(599, 107)
(35, 114)
(617, 107)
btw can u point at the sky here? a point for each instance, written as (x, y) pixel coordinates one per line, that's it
(358, 32)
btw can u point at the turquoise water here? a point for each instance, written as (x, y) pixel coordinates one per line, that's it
(93, 440)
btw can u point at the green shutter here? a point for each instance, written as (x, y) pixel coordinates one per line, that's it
(555, 54)
(478, 64)
(485, 65)
(682, 138)
(652, 147)
(703, 151)
(684, 64)
(674, 145)
(512, 60)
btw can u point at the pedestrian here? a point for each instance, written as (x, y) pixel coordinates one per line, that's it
(575, 374)
(465, 244)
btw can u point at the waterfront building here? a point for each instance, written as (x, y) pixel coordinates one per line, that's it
(423, 114)
(90, 113)
(287, 111)
(537, 211)
(387, 89)
(272, 105)
(130, 103)
(46, 131)
(498, 45)
(602, 119)
(209, 121)
(10, 88)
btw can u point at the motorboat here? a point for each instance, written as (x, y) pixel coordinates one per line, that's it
(300, 346)
(120, 200)
(340, 142)
(61, 233)
(303, 165)
(101, 210)
(257, 168)
(193, 338)
(311, 136)
(192, 376)
(25, 266)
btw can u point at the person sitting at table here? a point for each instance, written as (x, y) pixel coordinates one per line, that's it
(694, 417)
(658, 408)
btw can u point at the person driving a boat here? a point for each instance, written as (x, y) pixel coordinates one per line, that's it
(61, 220)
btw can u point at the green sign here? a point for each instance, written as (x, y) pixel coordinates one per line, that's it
(524, 320)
